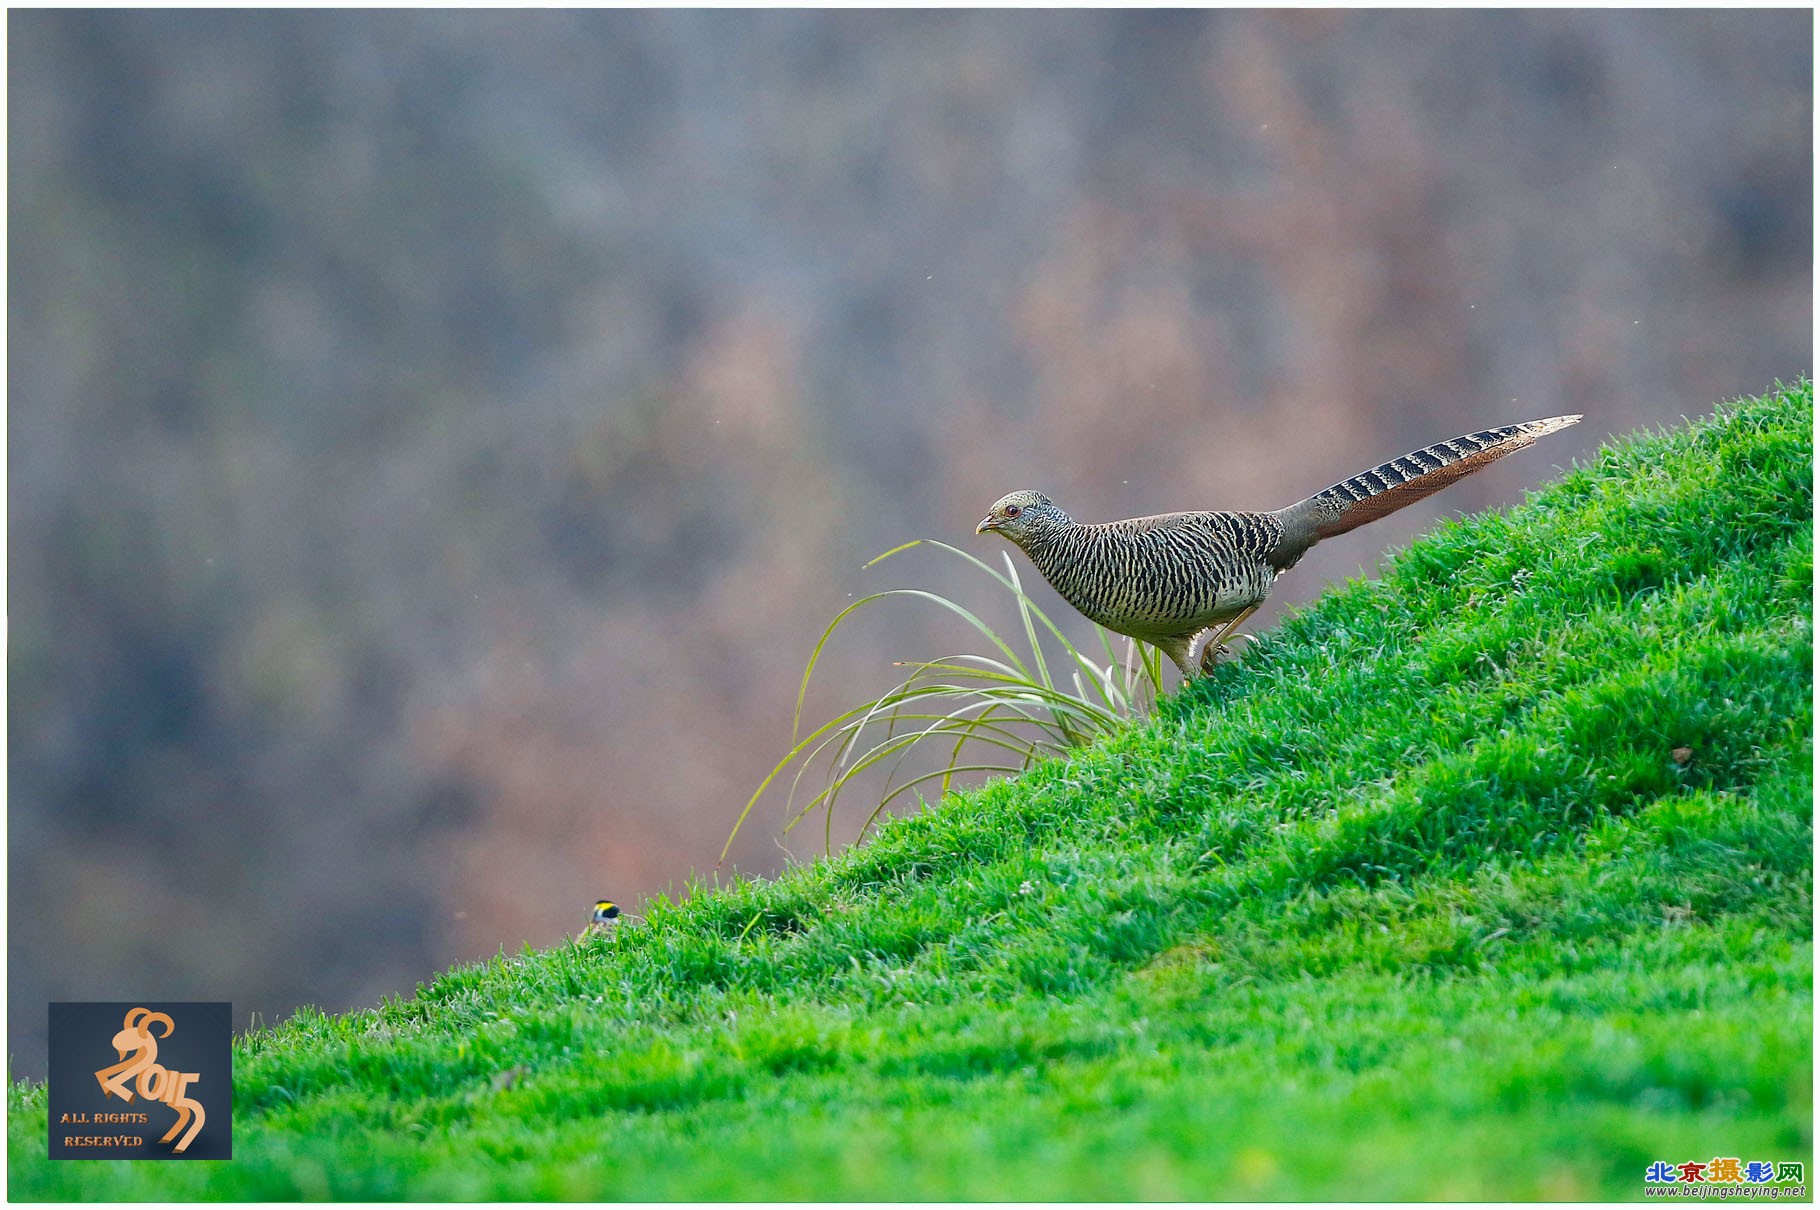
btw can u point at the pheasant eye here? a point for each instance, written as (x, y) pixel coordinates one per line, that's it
(1012, 510)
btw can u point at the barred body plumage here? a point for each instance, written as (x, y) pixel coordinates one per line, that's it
(1169, 579)
(1149, 577)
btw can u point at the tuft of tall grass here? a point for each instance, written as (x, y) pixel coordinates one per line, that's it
(994, 713)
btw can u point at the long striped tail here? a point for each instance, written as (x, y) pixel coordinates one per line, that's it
(1399, 483)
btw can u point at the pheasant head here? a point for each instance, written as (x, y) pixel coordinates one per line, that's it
(1023, 517)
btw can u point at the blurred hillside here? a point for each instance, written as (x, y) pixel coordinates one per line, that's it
(437, 438)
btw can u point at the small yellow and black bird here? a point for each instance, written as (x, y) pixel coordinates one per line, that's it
(603, 922)
(1170, 580)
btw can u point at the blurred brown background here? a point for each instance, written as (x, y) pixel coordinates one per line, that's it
(438, 438)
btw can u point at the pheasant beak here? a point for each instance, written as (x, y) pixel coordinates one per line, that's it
(989, 523)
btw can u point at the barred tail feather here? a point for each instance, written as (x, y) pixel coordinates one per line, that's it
(1401, 482)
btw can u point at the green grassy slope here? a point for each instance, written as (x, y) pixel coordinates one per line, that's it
(1415, 900)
